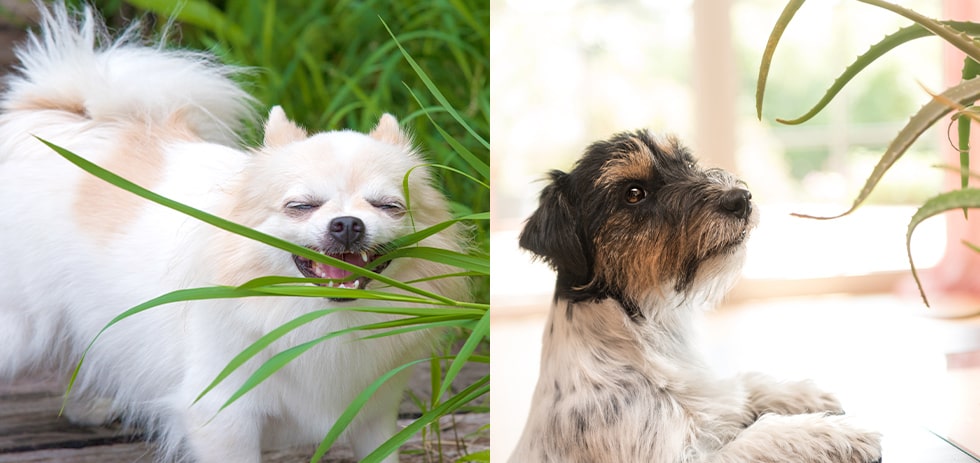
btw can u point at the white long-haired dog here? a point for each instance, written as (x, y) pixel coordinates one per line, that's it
(76, 251)
(643, 239)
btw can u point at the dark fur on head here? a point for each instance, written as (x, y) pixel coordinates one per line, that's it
(636, 217)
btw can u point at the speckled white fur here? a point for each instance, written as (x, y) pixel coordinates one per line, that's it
(628, 384)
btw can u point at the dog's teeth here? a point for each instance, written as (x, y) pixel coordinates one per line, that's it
(364, 257)
(356, 285)
(330, 284)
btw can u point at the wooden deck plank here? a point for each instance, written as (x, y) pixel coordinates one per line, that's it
(32, 431)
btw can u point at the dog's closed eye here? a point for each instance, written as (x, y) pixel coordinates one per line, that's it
(300, 209)
(391, 207)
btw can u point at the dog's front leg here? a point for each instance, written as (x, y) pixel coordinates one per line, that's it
(378, 421)
(767, 395)
(809, 438)
(230, 436)
(369, 438)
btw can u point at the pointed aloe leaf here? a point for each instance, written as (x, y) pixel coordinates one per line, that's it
(970, 245)
(956, 199)
(890, 42)
(777, 32)
(954, 36)
(956, 169)
(971, 69)
(963, 93)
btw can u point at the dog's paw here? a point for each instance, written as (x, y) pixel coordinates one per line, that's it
(811, 399)
(766, 395)
(92, 412)
(809, 438)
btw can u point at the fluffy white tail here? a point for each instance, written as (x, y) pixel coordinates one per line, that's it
(72, 64)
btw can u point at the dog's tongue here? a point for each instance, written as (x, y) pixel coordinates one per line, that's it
(334, 273)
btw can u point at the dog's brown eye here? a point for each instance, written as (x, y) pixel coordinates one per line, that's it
(635, 194)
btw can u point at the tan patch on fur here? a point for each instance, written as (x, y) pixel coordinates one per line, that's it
(388, 131)
(637, 260)
(43, 103)
(632, 165)
(638, 255)
(105, 210)
(280, 131)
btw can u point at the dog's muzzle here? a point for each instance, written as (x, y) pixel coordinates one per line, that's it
(346, 235)
(737, 202)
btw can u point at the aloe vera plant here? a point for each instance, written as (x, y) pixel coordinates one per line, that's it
(956, 100)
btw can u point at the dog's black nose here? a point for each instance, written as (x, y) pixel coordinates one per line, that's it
(347, 231)
(737, 202)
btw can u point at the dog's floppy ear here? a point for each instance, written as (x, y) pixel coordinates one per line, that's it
(388, 131)
(280, 131)
(552, 231)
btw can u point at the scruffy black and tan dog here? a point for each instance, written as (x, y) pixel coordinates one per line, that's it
(643, 239)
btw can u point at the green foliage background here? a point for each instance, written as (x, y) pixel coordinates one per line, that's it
(333, 65)
(341, 64)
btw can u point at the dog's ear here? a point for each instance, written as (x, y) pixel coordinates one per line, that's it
(552, 230)
(388, 131)
(280, 131)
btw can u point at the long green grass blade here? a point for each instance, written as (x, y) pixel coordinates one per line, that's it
(220, 292)
(352, 410)
(197, 12)
(479, 333)
(261, 344)
(435, 90)
(963, 93)
(276, 363)
(442, 256)
(233, 227)
(471, 159)
(337, 293)
(481, 456)
(777, 32)
(472, 392)
(420, 235)
(281, 359)
(956, 199)
(447, 322)
(424, 318)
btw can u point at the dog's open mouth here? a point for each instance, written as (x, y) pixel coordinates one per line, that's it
(338, 277)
